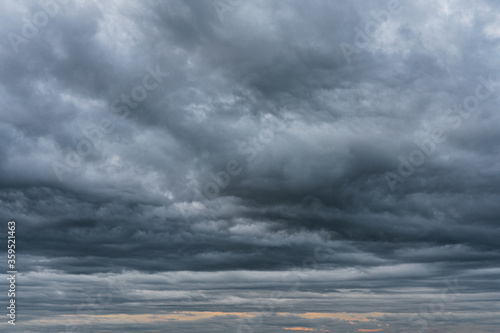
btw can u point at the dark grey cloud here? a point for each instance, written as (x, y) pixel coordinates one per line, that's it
(201, 159)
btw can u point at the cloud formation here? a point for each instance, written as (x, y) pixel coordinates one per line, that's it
(261, 166)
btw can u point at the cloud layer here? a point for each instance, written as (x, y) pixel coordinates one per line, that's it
(252, 166)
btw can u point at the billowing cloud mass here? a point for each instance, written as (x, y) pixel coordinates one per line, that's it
(252, 166)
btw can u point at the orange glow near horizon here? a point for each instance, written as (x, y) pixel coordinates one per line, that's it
(351, 318)
(367, 330)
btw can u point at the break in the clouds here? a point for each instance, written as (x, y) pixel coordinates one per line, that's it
(252, 166)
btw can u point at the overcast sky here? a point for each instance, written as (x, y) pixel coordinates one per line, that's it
(252, 166)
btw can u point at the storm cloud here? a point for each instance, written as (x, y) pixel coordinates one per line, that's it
(252, 166)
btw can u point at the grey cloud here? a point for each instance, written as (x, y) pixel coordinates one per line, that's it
(157, 201)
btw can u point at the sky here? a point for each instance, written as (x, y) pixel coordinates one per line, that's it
(251, 166)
